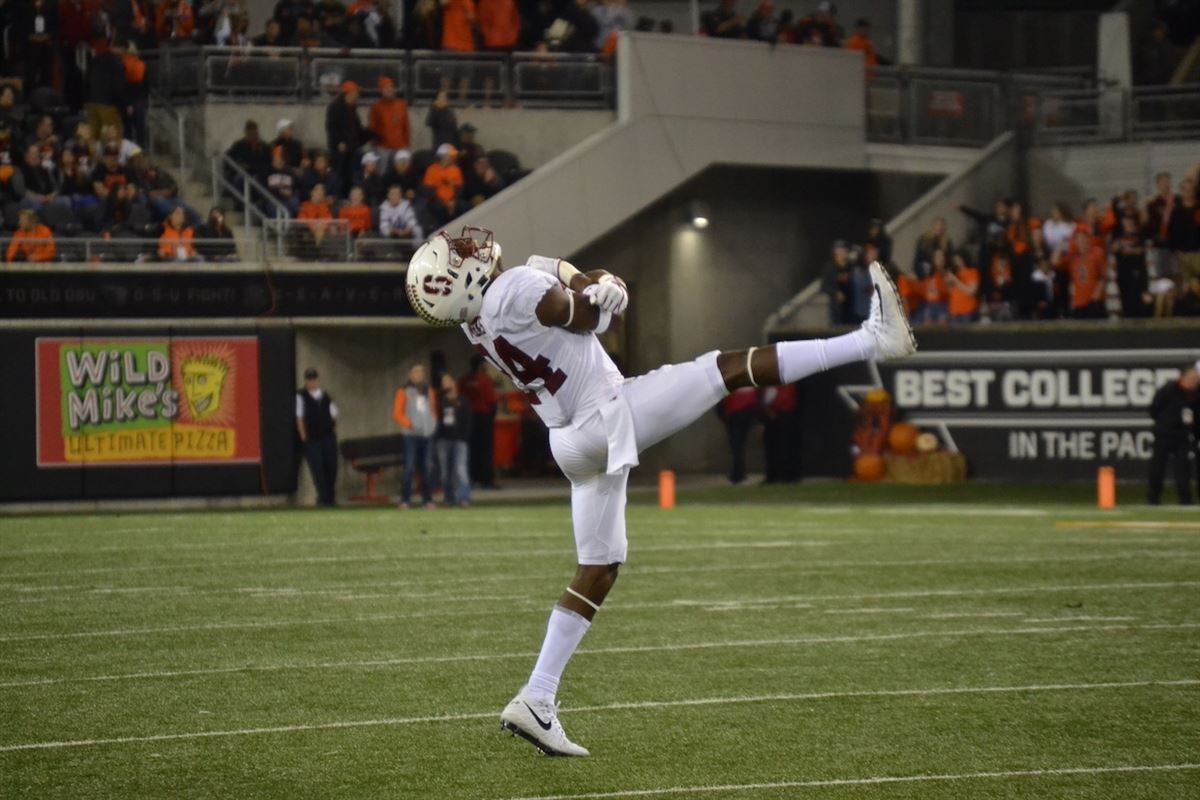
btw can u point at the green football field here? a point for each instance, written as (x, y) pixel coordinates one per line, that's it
(833, 641)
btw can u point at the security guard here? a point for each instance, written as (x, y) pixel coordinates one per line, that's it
(316, 424)
(1174, 410)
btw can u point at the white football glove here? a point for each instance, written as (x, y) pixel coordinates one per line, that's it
(609, 294)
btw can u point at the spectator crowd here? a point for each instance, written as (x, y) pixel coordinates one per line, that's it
(74, 98)
(364, 182)
(1129, 258)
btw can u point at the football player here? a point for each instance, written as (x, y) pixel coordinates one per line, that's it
(537, 322)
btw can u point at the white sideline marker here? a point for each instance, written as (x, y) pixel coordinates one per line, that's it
(702, 701)
(882, 779)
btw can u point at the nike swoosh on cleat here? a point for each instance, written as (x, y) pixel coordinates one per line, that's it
(545, 725)
(879, 294)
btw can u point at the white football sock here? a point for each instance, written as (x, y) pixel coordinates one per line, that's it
(563, 634)
(803, 358)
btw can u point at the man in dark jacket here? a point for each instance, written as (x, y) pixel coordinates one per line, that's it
(453, 435)
(1174, 410)
(108, 88)
(316, 423)
(344, 130)
(251, 152)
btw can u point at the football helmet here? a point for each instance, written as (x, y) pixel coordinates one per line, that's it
(447, 276)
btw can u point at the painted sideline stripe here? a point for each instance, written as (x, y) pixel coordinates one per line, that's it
(725, 604)
(624, 649)
(874, 781)
(701, 701)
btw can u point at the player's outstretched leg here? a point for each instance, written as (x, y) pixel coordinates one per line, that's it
(885, 335)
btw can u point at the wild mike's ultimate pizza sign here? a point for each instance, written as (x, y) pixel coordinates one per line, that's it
(130, 401)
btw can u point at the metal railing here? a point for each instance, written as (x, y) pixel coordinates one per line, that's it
(366, 248)
(139, 250)
(309, 240)
(165, 125)
(330, 240)
(1114, 115)
(918, 105)
(188, 74)
(255, 201)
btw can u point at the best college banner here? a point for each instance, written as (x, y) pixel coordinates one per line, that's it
(1035, 414)
(155, 400)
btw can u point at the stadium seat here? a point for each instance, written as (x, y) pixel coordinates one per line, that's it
(60, 219)
(370, 455)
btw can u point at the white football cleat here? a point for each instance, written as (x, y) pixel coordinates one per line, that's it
(536, 721)
(888, 324)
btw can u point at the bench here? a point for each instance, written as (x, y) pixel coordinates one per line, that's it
(370, 455)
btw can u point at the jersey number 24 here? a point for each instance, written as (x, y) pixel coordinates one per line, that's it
(525, 369)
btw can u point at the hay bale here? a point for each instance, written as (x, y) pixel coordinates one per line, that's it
(940, 467)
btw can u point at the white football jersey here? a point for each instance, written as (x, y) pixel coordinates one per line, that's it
(568, 374)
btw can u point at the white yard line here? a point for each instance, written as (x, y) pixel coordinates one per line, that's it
(950, 510)
(625, 649)
(970, 614)
(537, 604)
(898, 610)
(634, 706)
(1080, 619)
(400, 557)
(809, 567)
(873, 781)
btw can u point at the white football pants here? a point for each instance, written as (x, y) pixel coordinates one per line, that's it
(597, 453)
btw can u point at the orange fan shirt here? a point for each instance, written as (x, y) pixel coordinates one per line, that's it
(446, 181)
(864, 46)
(458, 17)
(934, 289)
(359, 217)
(36, 245)
(499, 24)
(310, 210)
(1087, 276)
(176, 245)
(961, 301)
(389, 121)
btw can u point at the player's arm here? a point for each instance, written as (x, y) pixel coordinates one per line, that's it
(566, 308)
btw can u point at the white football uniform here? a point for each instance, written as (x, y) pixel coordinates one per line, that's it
(598, 420)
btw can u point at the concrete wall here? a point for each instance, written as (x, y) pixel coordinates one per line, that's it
(535, 135)
(1073, 174)
(361, 367)
(685, 104)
